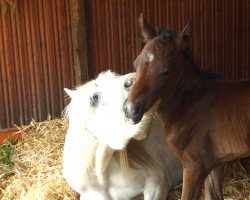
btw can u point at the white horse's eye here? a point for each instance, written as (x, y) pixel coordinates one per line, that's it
(94, 99)
(128, 83)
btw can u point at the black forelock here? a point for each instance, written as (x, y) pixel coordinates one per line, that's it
(164, 31)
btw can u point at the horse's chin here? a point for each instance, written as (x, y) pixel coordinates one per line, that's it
(130, 121)
(134, 120)
(138, 118)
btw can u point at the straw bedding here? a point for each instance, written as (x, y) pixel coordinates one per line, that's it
(38, 165)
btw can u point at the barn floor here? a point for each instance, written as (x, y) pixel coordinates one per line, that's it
(38, 164)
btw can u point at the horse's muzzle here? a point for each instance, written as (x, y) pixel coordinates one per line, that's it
(133, 112)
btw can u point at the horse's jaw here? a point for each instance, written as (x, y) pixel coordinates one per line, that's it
(117, 135)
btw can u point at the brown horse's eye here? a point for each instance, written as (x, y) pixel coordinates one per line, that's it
(165, 73)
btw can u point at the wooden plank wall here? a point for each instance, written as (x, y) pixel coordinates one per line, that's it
(221, 40)
(36, 60)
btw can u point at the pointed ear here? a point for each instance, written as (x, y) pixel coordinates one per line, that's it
(184, 36)
(147, 31)
(69, 92)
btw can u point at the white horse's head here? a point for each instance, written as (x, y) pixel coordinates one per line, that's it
(97, 128)
(97, 107)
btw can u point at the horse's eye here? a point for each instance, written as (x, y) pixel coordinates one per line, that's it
(128, 83)
(94, 100)
(165, 73)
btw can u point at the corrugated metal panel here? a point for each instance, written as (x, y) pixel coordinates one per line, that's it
(221, 39)
(35, 60)
(37, 55)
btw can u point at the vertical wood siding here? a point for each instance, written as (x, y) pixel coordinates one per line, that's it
(221, 38)
(35, 60)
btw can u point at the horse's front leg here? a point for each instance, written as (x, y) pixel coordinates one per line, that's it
(100, 190)
(213, 185)
(102, 160)
(156, 188)
(193, 179)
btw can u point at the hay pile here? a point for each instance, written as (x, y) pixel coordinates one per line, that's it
(38, 165)
(236, 182)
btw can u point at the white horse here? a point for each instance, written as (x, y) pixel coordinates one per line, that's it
(107, 158)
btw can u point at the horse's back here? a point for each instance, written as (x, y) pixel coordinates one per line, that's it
(231, 118)
(233, 99)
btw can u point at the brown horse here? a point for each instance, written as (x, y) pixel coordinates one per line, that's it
(207, 119)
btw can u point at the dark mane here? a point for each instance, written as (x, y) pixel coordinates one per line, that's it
(204, 74)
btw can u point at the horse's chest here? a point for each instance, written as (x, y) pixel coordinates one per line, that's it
(126, 185)
(175, 134)
(185, 143)
(173, 140)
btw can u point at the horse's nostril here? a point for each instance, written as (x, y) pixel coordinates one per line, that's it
(132, 112)
(136, 109)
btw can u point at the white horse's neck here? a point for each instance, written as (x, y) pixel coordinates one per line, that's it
(86, 163)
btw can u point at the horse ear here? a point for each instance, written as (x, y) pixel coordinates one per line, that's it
(147, 31)
(184, 36)
(69, 92)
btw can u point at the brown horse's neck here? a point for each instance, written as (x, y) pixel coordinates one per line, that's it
(190, 84)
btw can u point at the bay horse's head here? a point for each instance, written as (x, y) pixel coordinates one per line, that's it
(155, 66)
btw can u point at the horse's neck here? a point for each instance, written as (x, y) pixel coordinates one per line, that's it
(184, 89)
(93, 154)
